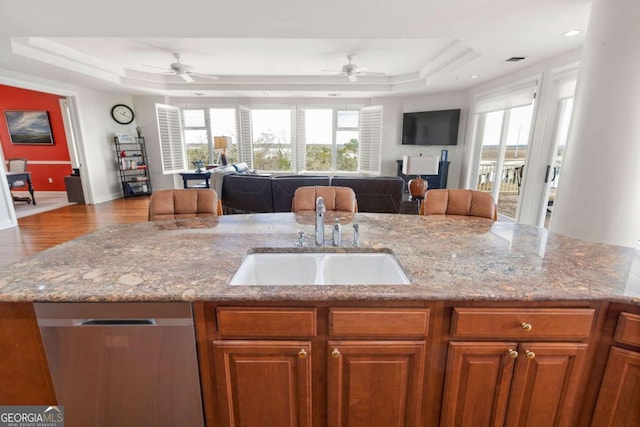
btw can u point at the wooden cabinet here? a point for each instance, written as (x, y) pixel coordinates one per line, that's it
(384, 364)
(515, 381)
(374, 383)
(288, 366)
(264, 383)
(24, 373)
(619, 398)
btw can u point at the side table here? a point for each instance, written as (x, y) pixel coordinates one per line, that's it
(193, 176)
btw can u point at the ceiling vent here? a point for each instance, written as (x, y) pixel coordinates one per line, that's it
(515, 59)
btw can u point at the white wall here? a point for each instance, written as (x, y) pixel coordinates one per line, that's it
(97, 130)
(393, 150)
(145, 111)
(7, 214)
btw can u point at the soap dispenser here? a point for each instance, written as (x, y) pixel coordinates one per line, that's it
(337, 233)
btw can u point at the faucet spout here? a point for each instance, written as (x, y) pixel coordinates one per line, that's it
(320, 209)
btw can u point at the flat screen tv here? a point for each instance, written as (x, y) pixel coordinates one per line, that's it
(431, 128)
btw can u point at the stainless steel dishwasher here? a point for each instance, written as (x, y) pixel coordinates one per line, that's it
(123, 364)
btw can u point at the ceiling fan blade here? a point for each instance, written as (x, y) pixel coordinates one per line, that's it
(158, 68)
(186, 77)
(360, 69)
(352, 78)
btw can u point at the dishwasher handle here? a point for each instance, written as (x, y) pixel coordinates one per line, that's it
(118, 322)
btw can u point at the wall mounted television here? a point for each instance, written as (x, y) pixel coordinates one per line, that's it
(431, 127)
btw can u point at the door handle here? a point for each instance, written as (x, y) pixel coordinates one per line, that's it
(546, 175)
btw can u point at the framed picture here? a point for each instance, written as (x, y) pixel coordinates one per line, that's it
(29, 127)
(124, 138)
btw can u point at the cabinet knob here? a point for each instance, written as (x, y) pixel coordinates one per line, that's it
(335, 353)
(513, 354)
(530, 354)
(527, 327)
(302, 353)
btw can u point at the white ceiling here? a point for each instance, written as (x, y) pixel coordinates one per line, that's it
(280, 47)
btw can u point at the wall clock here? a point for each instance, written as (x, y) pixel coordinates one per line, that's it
(122, 114)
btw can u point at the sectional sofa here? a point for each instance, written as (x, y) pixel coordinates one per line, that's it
(243, 192)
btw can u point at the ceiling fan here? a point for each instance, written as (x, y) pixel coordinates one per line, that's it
(352, 71)
(183, 70)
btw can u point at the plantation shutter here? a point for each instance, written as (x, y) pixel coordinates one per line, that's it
(245, 135)
(172, 149)
(300, 142)
(371, 139)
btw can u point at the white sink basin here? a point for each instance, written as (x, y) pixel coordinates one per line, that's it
(376, 268)
(319, 268)
(270, 269)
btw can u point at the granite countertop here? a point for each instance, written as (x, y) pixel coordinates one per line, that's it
(444, 258)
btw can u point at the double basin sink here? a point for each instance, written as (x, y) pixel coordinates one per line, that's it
(294, 268)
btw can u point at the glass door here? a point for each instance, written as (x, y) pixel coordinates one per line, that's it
(565, 110)
(504, 139)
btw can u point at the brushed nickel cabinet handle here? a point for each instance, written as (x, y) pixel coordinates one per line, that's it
(527, 326)
(530, 354)
(513, 354)
(302, 353)
(335, 353)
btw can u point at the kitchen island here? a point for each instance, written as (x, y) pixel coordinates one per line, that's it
(487, 302)
(444, 258)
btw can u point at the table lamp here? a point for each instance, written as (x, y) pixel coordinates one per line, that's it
(222, 142)
(419, 166)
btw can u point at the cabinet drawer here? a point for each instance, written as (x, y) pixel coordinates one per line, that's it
(378, 322)
(522, 323)
(266, 322)
(628, 330)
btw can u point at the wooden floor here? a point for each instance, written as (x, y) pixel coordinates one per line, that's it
(38, 232)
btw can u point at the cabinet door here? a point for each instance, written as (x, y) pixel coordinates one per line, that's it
(24, 373)
(374, 383)
(619, 399)
(546, 384)
(264, 383)
(477, 383)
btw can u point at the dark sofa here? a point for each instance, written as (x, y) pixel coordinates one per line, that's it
(262, 193)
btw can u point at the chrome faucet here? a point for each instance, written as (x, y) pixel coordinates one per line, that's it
(356, 234)
(320, 209)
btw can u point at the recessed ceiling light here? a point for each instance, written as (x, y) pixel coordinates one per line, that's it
(475, 76)
(571, 33)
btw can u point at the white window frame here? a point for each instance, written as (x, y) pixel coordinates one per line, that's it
(369, 136)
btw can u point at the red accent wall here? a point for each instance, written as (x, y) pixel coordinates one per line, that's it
(12, 98)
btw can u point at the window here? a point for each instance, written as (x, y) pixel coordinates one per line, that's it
(271, 140)
(200, 126)
(318, 138)
(347, 140)
(196, 137)
(285, 139)
(223, 123)
(326, 150)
